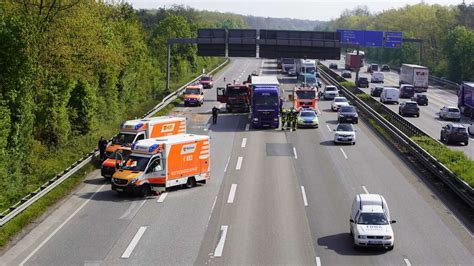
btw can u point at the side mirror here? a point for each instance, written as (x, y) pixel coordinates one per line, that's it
(393, 221)
(351, 221)
(355, 130)
(202, 93)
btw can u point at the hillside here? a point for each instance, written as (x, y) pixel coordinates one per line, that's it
(283, 23)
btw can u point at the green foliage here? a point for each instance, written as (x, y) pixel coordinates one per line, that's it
(348, 84)
(82, 108)
(460, 54)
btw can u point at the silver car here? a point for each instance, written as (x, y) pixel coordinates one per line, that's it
(345, 133)
(450, 113)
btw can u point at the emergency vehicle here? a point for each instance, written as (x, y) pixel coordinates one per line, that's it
(107, 169)
(194, 95)
(304, 97)
(159, 163)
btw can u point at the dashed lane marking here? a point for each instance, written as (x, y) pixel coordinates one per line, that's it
(134, 243)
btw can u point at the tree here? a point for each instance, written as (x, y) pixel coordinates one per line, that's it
(460, 54)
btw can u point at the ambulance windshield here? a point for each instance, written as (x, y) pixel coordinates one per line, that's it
(136, 163)
(123, 139)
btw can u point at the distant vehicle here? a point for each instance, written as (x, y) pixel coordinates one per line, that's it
(278, 63)
(235, 96)
(409, 108)
(406, 91)
(376, 91)
(307, 118)
(346, 74)
(338, 102)
(420, 99)
(309, 79)
(305, 66)
(385, 68)
(377, 77)
(354, 61)
(330, 92)
(390, 95)
(345, 133)
(288, 66)
(454, 133)
(450, 113)
(362, 82)
(414, 75)
(194, 95)
(466, 98)
(470, 129)
(370, 222)
(372, 68)
(348, 114)
(266, 102)
(206, 82)
(333, 66)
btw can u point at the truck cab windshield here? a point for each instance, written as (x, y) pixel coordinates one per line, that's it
(266, 99)
(236, 91)
(308, 69)
(306, 94)
(136, 163)
(123, 139)
(192, 91)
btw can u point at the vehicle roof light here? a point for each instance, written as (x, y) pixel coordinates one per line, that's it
(153, 147)
(138, 126)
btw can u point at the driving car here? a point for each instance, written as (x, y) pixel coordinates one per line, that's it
(362, 82)
(309, 79)
(406, 91)
(409, 108)
(206, 82)
(385, 68)
(377, 77)
(470, 129)
(376, 91)
(372, 68)
(333, 66)
(344, 133)
(307, 118)
(454, 133)
(370, 224)
(348, 114)
(450, 112)
(338, 102)
(420, 99)
(346, 74)
(330, 92)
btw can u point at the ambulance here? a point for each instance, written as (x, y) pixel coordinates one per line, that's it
(135, 130)
(194, 95)
(160, 163)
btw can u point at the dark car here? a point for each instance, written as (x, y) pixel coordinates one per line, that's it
(420, 99)
(454, 133)
(333, 66)
(362, 82)
(409, 108)
(406, 91)
(372, 68)
(385, 68)
(376, 92)
(348, 114)
(346, 74)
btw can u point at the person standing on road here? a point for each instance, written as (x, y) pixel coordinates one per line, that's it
(283, 119)
(102, 146)
(215, 112)
(294, 117)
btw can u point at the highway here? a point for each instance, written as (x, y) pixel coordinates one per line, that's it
(275, 197)
(428, 121)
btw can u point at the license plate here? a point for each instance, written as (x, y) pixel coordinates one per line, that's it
(349, 118)
(375, 242)
(119, 189)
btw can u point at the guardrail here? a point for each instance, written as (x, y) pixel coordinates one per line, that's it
(31, 198)
(445, 83)
(400, 131)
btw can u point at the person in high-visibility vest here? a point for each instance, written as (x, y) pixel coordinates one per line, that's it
(284, 117)
(294, 118)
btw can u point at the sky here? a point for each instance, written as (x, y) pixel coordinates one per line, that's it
(302, 9)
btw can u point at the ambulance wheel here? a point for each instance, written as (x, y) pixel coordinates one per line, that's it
(191, 182)
(145, 190)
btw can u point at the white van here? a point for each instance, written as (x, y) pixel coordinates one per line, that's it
(377, 77)
(370, 224)
(390, 95)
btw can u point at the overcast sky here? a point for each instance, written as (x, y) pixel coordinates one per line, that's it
(302, 9)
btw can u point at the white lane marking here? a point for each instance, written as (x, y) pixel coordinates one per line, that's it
(244, 142)
(239, 163)
(162, 197)
(60, 226)
(126, 254)
(343, 153)
(231, 197)
(407, 262)
(318, 261)
(186, 109)
(365, 190)
(305, 201)
(227, 164)
(328, 127)
(247, 127)
(132, 210)
(207, 127)
(294, 152)
(212, 209)
(461, 224)
(220, 246)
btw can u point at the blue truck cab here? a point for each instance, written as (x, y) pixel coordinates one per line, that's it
(266, 101)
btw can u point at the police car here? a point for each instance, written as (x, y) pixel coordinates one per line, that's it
(307, 117)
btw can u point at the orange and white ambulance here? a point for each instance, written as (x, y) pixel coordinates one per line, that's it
(159, 163)
(135, 130)
(194, 95)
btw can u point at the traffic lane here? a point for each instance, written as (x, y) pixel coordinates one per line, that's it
(422, 228)
(266, 222)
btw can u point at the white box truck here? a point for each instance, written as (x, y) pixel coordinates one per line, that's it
(415, 75)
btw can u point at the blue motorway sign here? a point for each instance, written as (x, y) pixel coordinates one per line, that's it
(373, 38)
(352, 37)
(393, 39)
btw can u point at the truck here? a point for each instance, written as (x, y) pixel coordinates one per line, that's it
(305, 66)
(415, 75)
(304, 97)
(160, 163)
(466, 98)
(194, 95)
(354, 61)
(235, 96)
(265, 101)
(135, 130)
(288, 66)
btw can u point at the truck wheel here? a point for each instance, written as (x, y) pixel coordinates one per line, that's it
(191, 182)
(145, 190)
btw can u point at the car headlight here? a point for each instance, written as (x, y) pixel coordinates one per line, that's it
(362, 237)
(255, 119)
(133, 181)
(275, 119)
(300, 119)
(315, 120)
(387, 237)
(341, 115)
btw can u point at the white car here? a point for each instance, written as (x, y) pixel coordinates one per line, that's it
(377, 77)
(338, 102)
(330, 92)
(370, 224)
(345, 133)
(450, 112)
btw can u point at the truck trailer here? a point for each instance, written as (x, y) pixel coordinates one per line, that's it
(415, 75)
(466, 98)
(354, 61)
